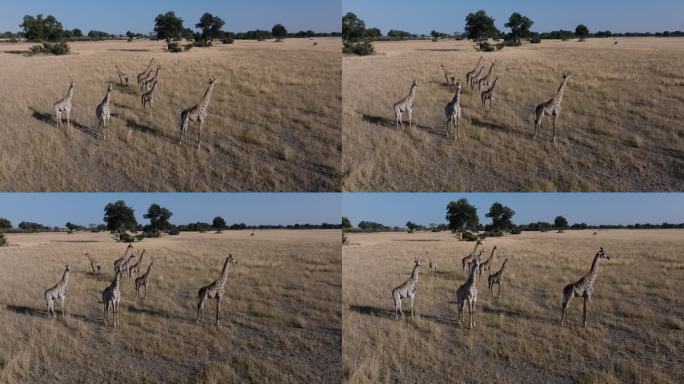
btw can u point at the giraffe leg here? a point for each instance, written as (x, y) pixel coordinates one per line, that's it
(200, 307)
(104, 315)
(218, 303)
(68, 116)
(61, 304)
(500, 285)
(145, 291)
(567, 297)
(470, 313)
(584, 313)
(474, 309)
(554, 127)
(410, 116)
(412, 316)
(199, 134)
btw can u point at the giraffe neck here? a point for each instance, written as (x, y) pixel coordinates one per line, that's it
(106, 100)
(594, 269)
(472, 276)
(414, 274)
(491, 68)
(149, 269)
(457, 97)
(115, 283)
(561, 90)
(412, 94)
(224, 274)
(70, 93)
(207, 97)
(65, 277)
(491, 89)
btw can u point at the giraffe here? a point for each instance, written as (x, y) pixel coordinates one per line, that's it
(489, 95)
(64, 106)
(551, 108)
(127, 264)
(470, 256)
(198, 113)
(111, 296)
(142, 281)
(449, 76)
(486, 264)
(123, 78)
(453, 114)
(497, 278)
(433, 266)
(406, 290)
(406, 105)
(104, 112)
(94, 266)
(147, 99)
(468, 293)
(135, 268)
(484, 81)
(147, 83)
(583, 288)
(58, 292)
(475, 78)
(214, 290)
(120, 260)
(472, 73)
(144, 74)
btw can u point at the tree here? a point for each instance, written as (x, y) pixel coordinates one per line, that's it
(211, 27)
(480, 26)
(158, 217)
(346, 223)
(168, 26)
(218, 224)
(5, 224)
(77, 33)
(501, 217)
(70, 226)
(187, 34)
(582, 32)
(119, 217)
(560, 223)
(353, 28)
(520, 27)
(411, 226)
(279, 32)
(42, 29)
(461, 216)
(373, 33)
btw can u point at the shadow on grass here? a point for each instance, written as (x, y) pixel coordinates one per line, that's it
(386, 123)
(130, 50)
(49, 119)
(158, 314)
(42, 314)
(134, 125)
(441, 49)
(389, 314)
(127, 89)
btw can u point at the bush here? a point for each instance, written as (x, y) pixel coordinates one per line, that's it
(151, 234)
(61, 48)
(535, 40)
(174, 47)
(188, 47)
(363, 48)
(516, 231)
(3, 240)
(228, 40)
(486, 47)
(126, 238)
(174, 231)
(469, 236)
(202, 43)
(344, 238)
(493, 233)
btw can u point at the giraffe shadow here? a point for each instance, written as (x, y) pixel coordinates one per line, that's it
(48, 119)
(42, 314)
(389, 314)
(510, 313)
(127, 89)
(495, 127)
(134, 125)
(386, 123)
(130, 50)
(158, 314)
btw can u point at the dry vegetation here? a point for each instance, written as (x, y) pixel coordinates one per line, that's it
(634, 331)
(620, 129)
(273, 125)
(280, 317)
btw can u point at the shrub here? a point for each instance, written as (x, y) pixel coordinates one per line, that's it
(469, 236)
(228, 40)
(61, 48)
(3, 240)
(362, 48)
(486, 47)
(202, 43)
(493, 233)
(174, 47)
(344, 238)
(188, 47)
(516, 231)
(535, 40)
(151, 233)
(174, 231)
(95, 230)
(126, 238)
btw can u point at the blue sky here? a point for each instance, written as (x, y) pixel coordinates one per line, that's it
(55, 209)
(449, 15)
(138, 15)
(395, 209)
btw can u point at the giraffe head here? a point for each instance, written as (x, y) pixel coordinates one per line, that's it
(602, 255)
(230, 259)
(212, 81)
(459, 85)
(67, 266)
(130, 246)
(416, 261)
(71, 84)
(414, 83)
(565, 75)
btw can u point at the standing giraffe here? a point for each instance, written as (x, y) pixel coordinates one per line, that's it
(489, 95)
(214, 290)
(123, 78)
(583, 288)
(147, 99)
(550, 108)
(125, 264)
(433, 266)
(406, 290)
(475, 78)
(58, 292)
(120, 260)
(94, 266)
(486, 265)
(111, 296)
(147, 83)
(135, 268)
(470, 256)
(472, 73)
(64, 106)
(198, 113)
(453, 114)
(449, 76)
(484, 81)
(104, 112)
(143, 280)
(497, 278)
(144, 74)
(406, 105)
(468, 293)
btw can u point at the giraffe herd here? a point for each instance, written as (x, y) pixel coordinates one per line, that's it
(148, 88)
(112, 295)
(487, 87)
(467, 292)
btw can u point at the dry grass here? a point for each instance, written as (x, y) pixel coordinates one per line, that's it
(620, 129)
(273, 125)
(634, 334)
(280, 318)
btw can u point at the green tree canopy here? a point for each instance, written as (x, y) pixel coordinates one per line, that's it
(279, 32)
(353, 28)
(211, 27)
(461, 216)
(520, 27)
(70, 226)
(582, 32)
(119, 217)
(77, 33)
(5, 224)
(167, 26)
(480, 26)
(159, 217)
(560, 223)
(218, 224)
(346, 223)
(42, 29)
(501, 217)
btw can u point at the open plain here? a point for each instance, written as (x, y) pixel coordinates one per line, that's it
(273, 120)
(620, 127)
(635, 331)
(280, 317)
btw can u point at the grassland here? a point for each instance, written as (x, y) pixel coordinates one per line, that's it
(273, 124)
(620, 128)
(634, 332)
(280, 318)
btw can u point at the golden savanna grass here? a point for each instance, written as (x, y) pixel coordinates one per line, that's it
(273, 124)
(280, 318)
(620, 128)
(634, 331)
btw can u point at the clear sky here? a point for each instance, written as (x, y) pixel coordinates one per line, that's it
(395, 209)
(448, 16)
(120, 16)
(55, 209)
